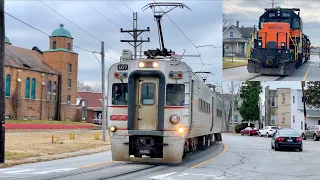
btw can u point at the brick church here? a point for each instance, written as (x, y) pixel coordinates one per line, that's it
(42, 85)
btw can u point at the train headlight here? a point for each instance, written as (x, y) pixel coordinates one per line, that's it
(155, 64)
(174, 119)
(142, 64)
(259, 43)
(113, 128)
(181, 130)
(282, 44)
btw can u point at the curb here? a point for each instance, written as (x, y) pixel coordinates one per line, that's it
(46, 126)
(234, 66)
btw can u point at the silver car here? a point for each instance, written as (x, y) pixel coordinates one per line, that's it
(312, 132)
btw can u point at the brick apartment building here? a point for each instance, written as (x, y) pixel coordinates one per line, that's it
(44, 81)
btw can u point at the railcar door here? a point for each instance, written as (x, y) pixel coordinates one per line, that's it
(148, 103)
(212, 113)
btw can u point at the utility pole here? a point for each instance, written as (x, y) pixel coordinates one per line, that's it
(304, 104)
(232, 107)
(273, 3)
(2, 85)
(140, 48)
(135, 33)
(104, 123)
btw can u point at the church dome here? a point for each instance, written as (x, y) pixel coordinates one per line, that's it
(7, 40)
(61, 32)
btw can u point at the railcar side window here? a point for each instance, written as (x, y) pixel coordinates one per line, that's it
(147, 93)
(120, 94)
(175, 94)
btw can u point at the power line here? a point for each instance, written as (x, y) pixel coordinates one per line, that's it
(77, 25)
(133, 11)
(238, 10)
(257, 4)
(102, 14)
(118, 10)
(44, 32)
(285, 3)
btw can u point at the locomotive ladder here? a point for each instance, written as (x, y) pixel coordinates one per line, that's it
(294, 41)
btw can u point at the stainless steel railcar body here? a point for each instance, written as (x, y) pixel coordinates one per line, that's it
(159, 109)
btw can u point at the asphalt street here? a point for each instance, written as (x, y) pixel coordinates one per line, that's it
(238, 157)
(310, 71)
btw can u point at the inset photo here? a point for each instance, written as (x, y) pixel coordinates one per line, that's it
(272, 40)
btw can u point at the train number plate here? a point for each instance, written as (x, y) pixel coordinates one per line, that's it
(145, 151)
(289, 140)
(123, 67)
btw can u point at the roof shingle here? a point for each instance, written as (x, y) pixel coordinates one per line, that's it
(94, 99)
(26, 59)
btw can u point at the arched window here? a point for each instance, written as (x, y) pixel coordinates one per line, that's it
(54, 44)
(54, 90)
(27, 88)
(8, 82)
(33, 88)
(49, 91)
(69, 46)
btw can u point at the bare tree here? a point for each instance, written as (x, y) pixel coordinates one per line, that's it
(15, 102)
(97, 88)
(226, 20)
(83, 87)
(227, 100)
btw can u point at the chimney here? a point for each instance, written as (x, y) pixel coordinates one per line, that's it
(237, 23)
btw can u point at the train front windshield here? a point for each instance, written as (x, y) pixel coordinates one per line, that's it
(175, 94)
(120, 94)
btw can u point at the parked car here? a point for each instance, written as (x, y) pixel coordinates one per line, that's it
(286, 138)
(249, 130)
(311, 132)
(267, 131)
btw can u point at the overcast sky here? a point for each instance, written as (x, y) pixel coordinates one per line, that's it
(247, 12)
(202, 25)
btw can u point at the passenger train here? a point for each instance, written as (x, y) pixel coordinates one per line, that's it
(159, 110)
(280, 45)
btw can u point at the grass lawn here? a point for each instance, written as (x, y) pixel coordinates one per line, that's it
(21, 145)
(17, 156)
(229, 64)
(45, 122)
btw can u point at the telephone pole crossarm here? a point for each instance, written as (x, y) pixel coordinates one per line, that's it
(135, 33)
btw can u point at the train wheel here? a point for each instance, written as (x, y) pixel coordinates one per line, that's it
(209, 140)
(212, 139)
(184, 155)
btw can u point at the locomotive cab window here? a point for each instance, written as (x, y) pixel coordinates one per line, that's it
(120, 94)
(147, 93)
(175, 94)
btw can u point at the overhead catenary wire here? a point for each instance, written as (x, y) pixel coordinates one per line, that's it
(77, 26)
(183, 34)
